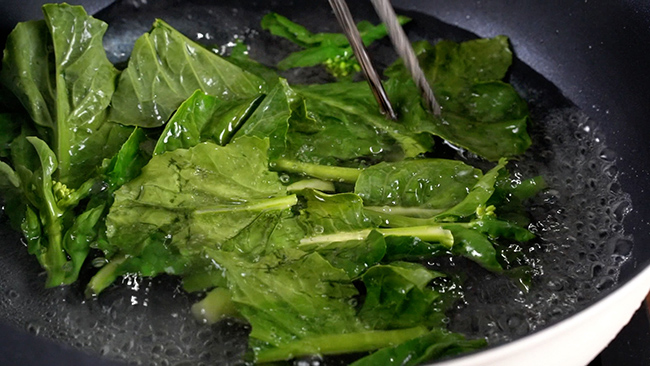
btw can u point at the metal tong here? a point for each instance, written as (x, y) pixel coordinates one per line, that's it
(402, 47)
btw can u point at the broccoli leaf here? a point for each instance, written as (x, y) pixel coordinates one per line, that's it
(397, 296)
(335, 344)
(50, 254)
(411, 248)
(50, 65)
(329, 124)
(268, 234)
(203, 117)
(283, 296)
(189, 199)
(330, 49)
(281, 26)
(271, 118)
(129, 160)
(356, 103)
(478, 196)
(206, 191)
(353, 256)
(332, 213)
(322, 134)
(422, 187)
(165, 68)
(78, 239)
(337, 227)
(475, 246)
(509, 196)
(479, 111)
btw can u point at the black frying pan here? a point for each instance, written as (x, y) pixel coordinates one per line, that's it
(589, 55)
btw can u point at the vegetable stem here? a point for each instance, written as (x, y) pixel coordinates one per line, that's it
(105, 276)
(417, 212)
(426, 233)
(217, 304)
(276, 203)
(333, 173)
(320, 185)
(332, 344)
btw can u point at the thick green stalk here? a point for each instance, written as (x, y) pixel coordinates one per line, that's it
(106, 275)
(216, 305)
(333, 173)
(426, 233)
(334, 344)
(433, 233)
(276, 203)
(317, 184)
(415, 212)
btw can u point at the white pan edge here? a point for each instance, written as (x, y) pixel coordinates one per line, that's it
(575, 341)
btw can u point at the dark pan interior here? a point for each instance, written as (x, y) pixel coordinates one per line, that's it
(571, 53)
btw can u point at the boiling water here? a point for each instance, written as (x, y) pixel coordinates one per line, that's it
(581, 243)
(580, 247)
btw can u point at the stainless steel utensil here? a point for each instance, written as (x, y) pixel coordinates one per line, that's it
(402, 46)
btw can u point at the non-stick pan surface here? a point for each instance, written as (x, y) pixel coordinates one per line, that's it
(586, 60)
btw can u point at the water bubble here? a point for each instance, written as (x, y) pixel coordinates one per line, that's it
(173, 351)
(33, 328)
(99, 262)
(105, 350)
(623, 247)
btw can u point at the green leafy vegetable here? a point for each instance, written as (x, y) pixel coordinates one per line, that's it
(329, 49)
(165, 68)
(45, 230)
(284, 304)
(437, 344)
(326, 172)
(323, 131)
(423, 187)
(334, 344)
(271, 118)
(58, 69)
(479, 194)
(479, 111)
(397, 296)
(187, 198)
(203, 117)
(77, 240)
(129, 160)
(352, 256)
(412, 248)
(208, 185)
(475, 246)
(356, 103)
(332, 213)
